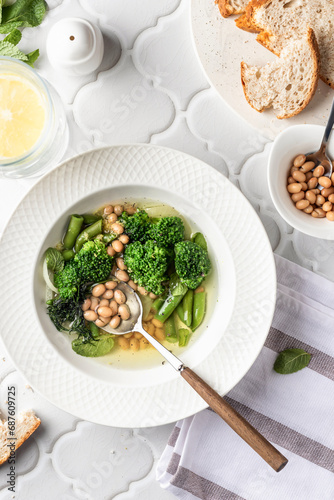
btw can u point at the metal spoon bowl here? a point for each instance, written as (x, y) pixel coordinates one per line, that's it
(320, 157)
(250, 435)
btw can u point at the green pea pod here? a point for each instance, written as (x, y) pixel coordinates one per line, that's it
(94, 348)
(199, 307)
(199, 239)
(170, 329)
(68, 254)
(88, 234)
(158, 302)
(187, 305)
(108, 238)
(184, 336)
(95, 331)
(169, 305)
(73, 231)
(90, 218)
(179, 311)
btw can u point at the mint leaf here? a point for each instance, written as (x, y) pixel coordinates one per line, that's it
(9, 50)
(54, 260)
(32, 57)
(291, 361)
(23, 13)
(14, 37)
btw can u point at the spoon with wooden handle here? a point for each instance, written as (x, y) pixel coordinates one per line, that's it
(252, 437)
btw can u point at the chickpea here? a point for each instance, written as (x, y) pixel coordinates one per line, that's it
(144, 343)
(133, 285)
(104, 302)
(330, 216)
(111, 251)
(157, 323)
(113, 269)
(327, 206)
(315, 191)
(312, 183)
(327, 191)
(318, 171)
(124, 238)
(142, 290)
(293, 169)
(120, 264)
(306, 167)
(291, 180)
(318, 213)
(98, 290)
(332, 178)
(117, 228)
(325, 182)
(152, 296)
(122, 275)
(124, 312)
(309, 209)
(128, 335)
(108, 294)
(299, 160)
(150, 329)
(101, 322)
(149, 316)
(299, 176)
(90, 315)
(311, 197)
(123, 343)
(114, 307)
(105, 312)
(86, 305)
(110, 285)
(108, 210)
(134, 344)
(309, 176)
(112, 218)
(94, 303)
(117, 246)
(304, 186)
(138, 335)
(159, 334)
(115, 322)
(331, 198)
(118, 209)
(320, 200)
(302, 204)
(131, 209)
(119, 296)
(294, 187)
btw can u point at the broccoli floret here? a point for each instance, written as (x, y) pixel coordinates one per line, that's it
(93, 262)
(192, 263)
(167, 231)
(67, 280)
(147, 264)
(136, 225)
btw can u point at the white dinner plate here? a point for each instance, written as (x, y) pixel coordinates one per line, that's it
(238, 317)
(221, 47)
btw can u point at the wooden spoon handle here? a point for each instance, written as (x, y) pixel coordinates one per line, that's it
(247, 432)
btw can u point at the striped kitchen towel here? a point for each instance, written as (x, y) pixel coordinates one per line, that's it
(205, 459)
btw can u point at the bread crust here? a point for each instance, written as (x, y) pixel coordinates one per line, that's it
(226, 9)
(32, 427)
(311, 38)
(244, 23)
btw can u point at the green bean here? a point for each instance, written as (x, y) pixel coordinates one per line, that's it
(199, 239)
(73, 230)
(198, 309)
(95, 331)
(108, 238)
(68, 254)
(187, 305)
(90, 218)
(184, 336)
(88, 234)
(179, 311)
(170, 329)
(158, 302)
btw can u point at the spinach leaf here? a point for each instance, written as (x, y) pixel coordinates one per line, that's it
(54, 260)
(291, 361)
(23, 13)
(94, 348)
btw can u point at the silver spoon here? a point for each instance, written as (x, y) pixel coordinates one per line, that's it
(320, 157)
(259, 444)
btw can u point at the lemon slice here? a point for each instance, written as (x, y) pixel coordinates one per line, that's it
(22, 116)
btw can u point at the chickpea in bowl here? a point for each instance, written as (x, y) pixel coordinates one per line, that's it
(159, 257)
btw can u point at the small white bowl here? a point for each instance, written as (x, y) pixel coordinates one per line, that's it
(287, 145)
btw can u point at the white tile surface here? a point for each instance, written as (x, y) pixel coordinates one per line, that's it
(150, 88)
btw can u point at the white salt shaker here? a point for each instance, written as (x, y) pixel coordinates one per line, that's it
(75, 46)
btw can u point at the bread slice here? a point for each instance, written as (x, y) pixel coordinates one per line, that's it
(244, 22)
(281, 21)
(287, 84)
(229, 7)
(26, 423)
